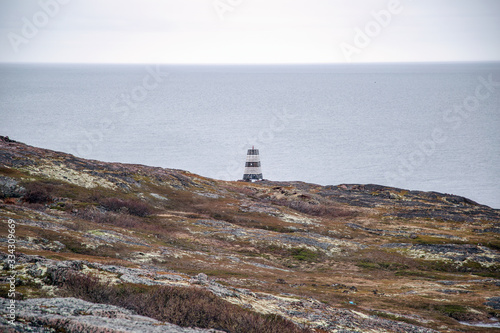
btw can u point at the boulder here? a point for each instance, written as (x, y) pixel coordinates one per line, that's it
(9, 188)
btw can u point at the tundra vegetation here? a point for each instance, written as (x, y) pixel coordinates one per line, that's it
(239, 257)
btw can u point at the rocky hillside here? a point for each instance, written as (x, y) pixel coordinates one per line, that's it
(110, 247)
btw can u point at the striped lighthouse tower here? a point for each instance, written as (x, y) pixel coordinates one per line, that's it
(252, 166)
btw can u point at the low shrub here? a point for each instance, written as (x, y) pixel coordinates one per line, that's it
(183, 306)
(120, 220)
(131, 206)
(38, 193)
(494, 245)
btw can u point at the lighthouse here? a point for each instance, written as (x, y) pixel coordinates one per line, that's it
(252, 166)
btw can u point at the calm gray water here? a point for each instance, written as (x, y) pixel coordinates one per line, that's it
(423, 127)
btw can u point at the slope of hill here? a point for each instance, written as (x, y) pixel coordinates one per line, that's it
(168, 246)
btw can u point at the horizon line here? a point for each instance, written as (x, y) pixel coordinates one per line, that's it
(256, 64)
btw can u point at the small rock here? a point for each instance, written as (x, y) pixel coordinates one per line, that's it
(221, 291)
(203, 278)
(35, 271)
(447, 283)
(454, 291)
(493, 302)
(157, 196)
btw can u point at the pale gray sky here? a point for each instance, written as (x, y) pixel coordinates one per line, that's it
(249, 31)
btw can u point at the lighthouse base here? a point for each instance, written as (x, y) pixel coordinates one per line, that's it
(252, 176)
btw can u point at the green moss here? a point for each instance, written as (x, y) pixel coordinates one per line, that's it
(294, 254)
(77, 247)
(10, 172)
(422, 274)
(455, 311)
(450, 309)
(388, 266)
(367, 265)
(385, 315)
(302, 254)
(430, 240)
(465, 267)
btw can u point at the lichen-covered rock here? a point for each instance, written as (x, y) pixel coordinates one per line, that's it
(493, 302)
(10, 188)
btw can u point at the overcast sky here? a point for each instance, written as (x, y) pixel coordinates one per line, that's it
(249, 31)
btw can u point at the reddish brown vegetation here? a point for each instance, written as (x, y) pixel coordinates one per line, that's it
(38, 193)
(184, 306)
(120, 220)
(131, 206)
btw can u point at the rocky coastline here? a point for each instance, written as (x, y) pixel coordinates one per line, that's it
(339, 258)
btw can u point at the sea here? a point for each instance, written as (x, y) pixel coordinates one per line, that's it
(431, 127)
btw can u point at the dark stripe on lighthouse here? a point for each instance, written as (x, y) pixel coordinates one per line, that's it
(253, 152)
(252, 176)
